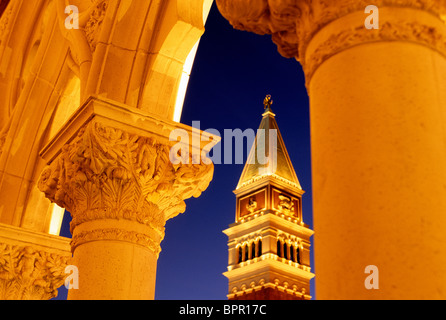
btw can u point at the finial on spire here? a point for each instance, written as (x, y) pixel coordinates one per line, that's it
(268, 102)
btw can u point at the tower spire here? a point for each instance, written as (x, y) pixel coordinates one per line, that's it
(272, 146)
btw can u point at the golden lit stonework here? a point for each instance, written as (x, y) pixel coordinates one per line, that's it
(86, 106)
(90, 91)
(377, 136)
(115, 176)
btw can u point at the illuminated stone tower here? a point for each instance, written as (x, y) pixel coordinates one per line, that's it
(269, 244)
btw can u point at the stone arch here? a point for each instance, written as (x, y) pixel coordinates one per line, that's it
(69, 101)
(15, 68)
(66, 101)
(38, 76)
(172, 62)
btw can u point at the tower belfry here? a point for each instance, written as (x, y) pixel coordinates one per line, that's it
(269, 244)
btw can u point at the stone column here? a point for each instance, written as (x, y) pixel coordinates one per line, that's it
(110, 167)
(377, 104)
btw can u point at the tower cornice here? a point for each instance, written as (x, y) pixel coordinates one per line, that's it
(273, 179)
(268, 220)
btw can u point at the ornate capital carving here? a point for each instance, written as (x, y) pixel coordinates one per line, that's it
(294, 24)
(27, 273)
(106, 173)
(94, 23)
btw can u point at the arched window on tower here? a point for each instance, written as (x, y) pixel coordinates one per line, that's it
(285, 250)
(279, 248)
(253, 250)
(292, 255)
(298, 254)
(240, 252)
(259, 248)
(246, 252)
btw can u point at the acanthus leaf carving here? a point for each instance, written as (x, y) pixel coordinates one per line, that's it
(93, 26)
(27, 273)
(107, 173)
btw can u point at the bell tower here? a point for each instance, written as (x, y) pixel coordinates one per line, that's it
(269, 243)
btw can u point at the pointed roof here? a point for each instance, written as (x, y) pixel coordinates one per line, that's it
(261, 162)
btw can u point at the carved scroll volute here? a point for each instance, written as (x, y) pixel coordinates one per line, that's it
(280, 18)
(251, 15)
(107, 173)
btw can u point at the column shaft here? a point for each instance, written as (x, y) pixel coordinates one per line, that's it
(114, 270)
(378, 157)
(378, 136)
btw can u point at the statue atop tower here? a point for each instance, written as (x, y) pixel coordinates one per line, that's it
(268, 102)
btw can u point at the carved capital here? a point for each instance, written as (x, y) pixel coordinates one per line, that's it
(110, 174)
(294, 25)
(94, 23)
(27, 273)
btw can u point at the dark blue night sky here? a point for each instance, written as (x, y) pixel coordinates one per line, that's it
(232, 74)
